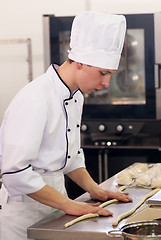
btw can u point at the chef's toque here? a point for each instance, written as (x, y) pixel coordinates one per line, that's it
(97, 39)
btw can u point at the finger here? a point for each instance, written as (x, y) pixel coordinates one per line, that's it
(125, 198)
(104, 212)
(94, 204)
(129, 199)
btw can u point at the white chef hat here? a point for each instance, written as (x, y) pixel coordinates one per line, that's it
(97, 39)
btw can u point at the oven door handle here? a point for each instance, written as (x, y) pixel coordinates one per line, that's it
(157, 68)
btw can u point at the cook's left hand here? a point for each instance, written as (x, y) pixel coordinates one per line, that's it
(104, 195)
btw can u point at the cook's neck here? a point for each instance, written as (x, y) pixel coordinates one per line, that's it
(67, 75)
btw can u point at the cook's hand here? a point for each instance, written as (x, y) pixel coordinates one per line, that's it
(81, 208)
(104, 195)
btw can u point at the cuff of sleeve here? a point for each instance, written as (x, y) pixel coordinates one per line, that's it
(23, 182)
(79, 162)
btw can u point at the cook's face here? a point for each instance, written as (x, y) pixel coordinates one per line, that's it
(93, 79)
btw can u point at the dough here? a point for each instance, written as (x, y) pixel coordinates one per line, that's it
(141, 174)
(137, 169)
(124, 215)
(85, 216)
(155, 170)
(91, 215)
(156, 182)
(121, 189)
(124, 178)
(144, 180)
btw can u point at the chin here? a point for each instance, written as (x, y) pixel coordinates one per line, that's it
(86, 92)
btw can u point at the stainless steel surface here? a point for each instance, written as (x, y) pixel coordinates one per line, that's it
(146, 230)
(155, 200)
(95, 228)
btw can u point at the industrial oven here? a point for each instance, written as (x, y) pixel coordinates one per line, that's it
(121, 124)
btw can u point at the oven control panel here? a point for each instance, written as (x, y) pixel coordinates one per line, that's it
(112, 133)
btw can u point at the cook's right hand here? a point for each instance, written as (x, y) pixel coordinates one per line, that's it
(81, 208)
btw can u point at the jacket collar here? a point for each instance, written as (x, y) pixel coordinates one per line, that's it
(61, 86)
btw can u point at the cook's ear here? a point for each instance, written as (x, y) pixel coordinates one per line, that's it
(79, 65)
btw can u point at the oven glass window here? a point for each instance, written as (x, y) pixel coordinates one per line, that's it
(127, 85)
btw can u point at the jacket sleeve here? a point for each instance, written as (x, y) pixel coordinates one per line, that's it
(79, 162)
(22, 132)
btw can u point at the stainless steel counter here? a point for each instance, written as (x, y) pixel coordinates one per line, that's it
(89, 229)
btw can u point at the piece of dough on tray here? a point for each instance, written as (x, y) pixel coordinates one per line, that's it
(141, 174)
(143, 180)
(124, 178)
(156, 182)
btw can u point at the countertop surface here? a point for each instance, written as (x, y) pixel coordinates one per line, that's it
(90, 229)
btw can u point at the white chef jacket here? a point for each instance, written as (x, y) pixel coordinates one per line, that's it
(40, 132)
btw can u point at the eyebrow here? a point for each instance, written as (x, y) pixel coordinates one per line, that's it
(107, 71)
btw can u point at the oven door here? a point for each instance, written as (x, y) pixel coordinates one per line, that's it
(131, 94)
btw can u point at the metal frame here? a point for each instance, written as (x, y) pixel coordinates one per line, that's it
(29, 52)
(46, 35)
(157, 39)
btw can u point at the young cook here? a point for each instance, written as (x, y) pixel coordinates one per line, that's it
(40, 133)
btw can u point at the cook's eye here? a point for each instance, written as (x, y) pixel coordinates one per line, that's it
(103, 73)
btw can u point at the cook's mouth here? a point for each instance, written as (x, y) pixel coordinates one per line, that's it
(96, 90)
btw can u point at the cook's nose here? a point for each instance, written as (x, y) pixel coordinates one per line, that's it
(106, 82)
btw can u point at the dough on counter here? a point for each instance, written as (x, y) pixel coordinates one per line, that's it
(91, 215)
(83, 217)
(143, 180)
(121, 189)
(138, 168)
(155, 170)
(156, 182)
(128, 176)
(141, 174)
(142, 167)
(127, 214)
(124, 178)
(150, 177)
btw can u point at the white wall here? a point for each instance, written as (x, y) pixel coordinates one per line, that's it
(21, 19)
